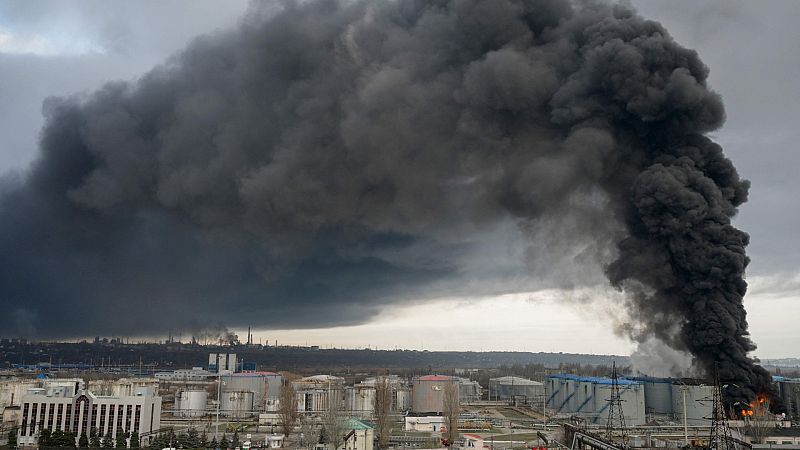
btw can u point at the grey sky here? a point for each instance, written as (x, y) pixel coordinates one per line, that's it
(58, 48)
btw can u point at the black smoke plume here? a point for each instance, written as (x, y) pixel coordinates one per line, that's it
(329, 157)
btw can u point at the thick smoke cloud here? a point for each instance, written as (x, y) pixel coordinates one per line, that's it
(328, 158)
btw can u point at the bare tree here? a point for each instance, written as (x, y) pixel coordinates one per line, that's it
(287, 410)
(382, 407)
(334, 419)
(309, 433)
(451, 409)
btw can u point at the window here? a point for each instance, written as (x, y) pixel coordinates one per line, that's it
(24, 430)
(60, 415)
(128, 417)
(137, 417)
(69, 417)
(102, 426)
(50, 416)
(34, 410)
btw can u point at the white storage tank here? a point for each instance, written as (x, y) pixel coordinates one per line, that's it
(237, 404)
(191, 403)
(657, 395)
(699, 403)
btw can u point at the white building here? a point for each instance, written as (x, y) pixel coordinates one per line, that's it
(222, 362)
(79, 412)
(11, 391)
(424, 423)
(358, 435)
(193, 374)
(122, 386)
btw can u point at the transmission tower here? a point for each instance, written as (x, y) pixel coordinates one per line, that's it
(616, 417)
(720, 438)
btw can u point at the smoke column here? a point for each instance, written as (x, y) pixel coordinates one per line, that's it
(328, 158)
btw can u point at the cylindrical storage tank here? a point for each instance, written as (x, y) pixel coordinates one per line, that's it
(265, 386)
(237, 404)
(191, 403)
(402, 399)
(698, 403)
(428, 393)
(658, 396)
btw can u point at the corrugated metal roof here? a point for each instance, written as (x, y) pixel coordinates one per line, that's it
(595, 380)
(515, 380)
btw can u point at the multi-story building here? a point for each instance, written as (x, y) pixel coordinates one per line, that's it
(79, 411)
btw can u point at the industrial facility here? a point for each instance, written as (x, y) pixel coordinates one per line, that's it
(229, 396)
(587, 397)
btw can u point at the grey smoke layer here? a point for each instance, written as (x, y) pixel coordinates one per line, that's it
(328, 158)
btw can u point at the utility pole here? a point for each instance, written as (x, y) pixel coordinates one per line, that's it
(615, 409)
(720, 438)
(685, 419)
(219, 400)
(544, 401)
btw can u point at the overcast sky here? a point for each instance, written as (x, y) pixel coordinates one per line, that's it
(59, 48)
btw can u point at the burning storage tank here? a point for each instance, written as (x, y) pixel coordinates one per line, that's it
(237, 404)
(427, 393)
(265, 386)
(588, 397)
(518, 389)
(699, 403)
(191, 403)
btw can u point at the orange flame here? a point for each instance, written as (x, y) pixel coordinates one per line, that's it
(760, 401)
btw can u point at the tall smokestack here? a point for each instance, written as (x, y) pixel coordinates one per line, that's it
(330, 158)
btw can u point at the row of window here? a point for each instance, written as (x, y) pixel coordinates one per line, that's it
(36, 416)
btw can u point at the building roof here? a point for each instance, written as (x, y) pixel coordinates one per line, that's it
(435, 378)
(779, 432)
(517, 381)
(594, 380)
(357, 424)
(256, 374)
